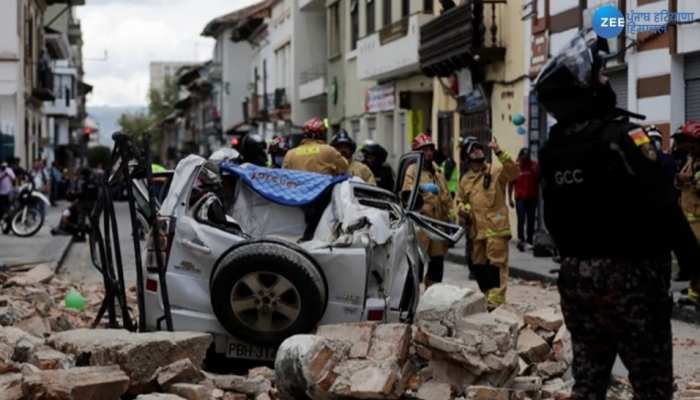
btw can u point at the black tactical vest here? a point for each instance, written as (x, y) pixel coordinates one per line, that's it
(603, 197)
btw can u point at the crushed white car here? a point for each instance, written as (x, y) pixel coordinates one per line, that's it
(235, 265)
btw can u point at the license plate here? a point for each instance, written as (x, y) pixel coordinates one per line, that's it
(247, 351)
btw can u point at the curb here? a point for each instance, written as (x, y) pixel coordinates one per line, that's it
(679, 313)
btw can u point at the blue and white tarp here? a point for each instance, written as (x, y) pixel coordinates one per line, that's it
(283, 186)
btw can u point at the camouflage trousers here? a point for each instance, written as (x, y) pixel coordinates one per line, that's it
(618, 307)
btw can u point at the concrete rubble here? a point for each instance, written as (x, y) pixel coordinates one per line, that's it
(455, 349)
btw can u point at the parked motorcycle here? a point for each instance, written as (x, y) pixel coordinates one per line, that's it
(26, 214)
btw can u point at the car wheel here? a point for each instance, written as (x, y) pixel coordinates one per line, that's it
(264, 292)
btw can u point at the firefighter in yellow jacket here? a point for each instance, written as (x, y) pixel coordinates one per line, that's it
(687, 138)
(481, 204)
(346, 146)
(436, 204)
(313, 154)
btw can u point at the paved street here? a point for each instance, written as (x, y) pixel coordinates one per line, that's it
(77, 266)
(42, 247)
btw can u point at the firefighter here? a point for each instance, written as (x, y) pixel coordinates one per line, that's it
(374, 156)
(481, 204)
(346, 146)
(611, 212)
(688, 181)
(436, 204)
(313, 154)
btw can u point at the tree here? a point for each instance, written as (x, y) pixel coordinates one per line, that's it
(135, 124)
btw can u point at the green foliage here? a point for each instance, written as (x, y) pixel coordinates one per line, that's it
(99, 155)
(161, 103)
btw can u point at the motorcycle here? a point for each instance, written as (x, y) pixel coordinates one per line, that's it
(26, 214)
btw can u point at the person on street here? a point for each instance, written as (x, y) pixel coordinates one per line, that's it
(254, 150)
(374, 156)
(313, 154)
(56, 181)
(277, 150)
(481, 204)
(436, 204)
(40, 178)
(667, 161)
(449, 168)
(688, 182)
(527, 191)
(612, 214)
(346, 146)
(7, 180)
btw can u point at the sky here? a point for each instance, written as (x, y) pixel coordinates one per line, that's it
(136, 32)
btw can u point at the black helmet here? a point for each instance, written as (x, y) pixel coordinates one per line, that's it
(372, 148)
(569, 85)
(343, 137)
(254, 149)
(468, 144)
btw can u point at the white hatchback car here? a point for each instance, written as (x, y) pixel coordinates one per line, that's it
(235, 265)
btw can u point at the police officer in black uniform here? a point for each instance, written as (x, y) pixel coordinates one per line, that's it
(613, 216)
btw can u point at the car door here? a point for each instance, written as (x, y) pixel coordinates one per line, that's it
(197, 246)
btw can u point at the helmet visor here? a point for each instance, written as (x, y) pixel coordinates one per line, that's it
(576, 57)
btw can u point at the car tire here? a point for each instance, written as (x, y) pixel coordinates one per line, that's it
(264, 292)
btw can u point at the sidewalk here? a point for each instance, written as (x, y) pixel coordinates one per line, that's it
(40, 248)
(524, 265)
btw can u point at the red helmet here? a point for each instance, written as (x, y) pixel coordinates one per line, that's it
(315, 128)
(690, 130)
(421, 141)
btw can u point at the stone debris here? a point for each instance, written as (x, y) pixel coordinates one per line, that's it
(455, 350)
(434, 390)
(41, 273)
(138, 354)
(180, 371)
(532, 347)
(549, 319)
(82, 383)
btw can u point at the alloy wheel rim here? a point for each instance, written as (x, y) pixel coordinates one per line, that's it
(265, 301)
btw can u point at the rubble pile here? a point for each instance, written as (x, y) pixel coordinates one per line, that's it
(32, 300)
(455, 349)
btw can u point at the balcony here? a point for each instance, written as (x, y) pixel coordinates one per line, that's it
(60, 107)
(463, 36)
(312, 83)
(392, 51)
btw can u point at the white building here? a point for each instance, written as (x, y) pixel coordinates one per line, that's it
(25, 79)
(159, 71)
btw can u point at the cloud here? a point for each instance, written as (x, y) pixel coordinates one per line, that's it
(136, 32)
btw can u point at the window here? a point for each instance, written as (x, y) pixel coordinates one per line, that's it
(370, 16)
(334, 31)
(428, 6)
(354, 24)
(283, 65)
(386, 12)
(405, 8)
(355, 129)
(371, 127)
